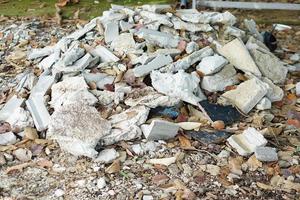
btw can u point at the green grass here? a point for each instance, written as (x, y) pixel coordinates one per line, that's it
(89, 9)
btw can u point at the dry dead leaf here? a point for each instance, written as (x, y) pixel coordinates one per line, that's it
(19, 167)
(44, 163)
(115, 167)
(264, 186)
(185, 143)
(253, 163)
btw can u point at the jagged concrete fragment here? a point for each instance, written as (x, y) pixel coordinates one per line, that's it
(125, 26)
(247, 94)
(104, 54)
(77, 128)
(42, 86)
(108, 80)
(189, 60)
(104, 97)
(251, 26)
(238, 55)
(107, 156)
(275, 93)
(171, 52)
(181, 25)
(246, 143)
(160, 18)
(156, 8)
(180, 85)
(264, 104)
(211, 64)
(298, 89)
(111, 32)
(11, 106)
(156, 63)
(160, 130)
(123, 43)
(219, 81)
(266, 154)
(160, 39)
(234, 31)
(191, 47)
(27, 80)
(149, 97)
(73, 53)
(269, 65)
(37, 53)
(47, 62)
(126, 124)
(20, 119)
(39, 112)
(81, 32)
(8, 138)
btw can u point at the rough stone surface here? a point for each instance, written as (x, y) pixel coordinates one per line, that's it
(181, 25)
(160, 130)
(107, 156)
(266, 154)
(275, 93)
(211, 64)
(191, 47)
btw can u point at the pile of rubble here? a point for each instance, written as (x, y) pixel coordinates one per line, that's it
(129, 73)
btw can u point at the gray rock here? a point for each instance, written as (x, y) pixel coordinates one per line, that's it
(42, 86)
(23, 155)
(160, 130)
(37, 53)
(275, 93)
(8, 138)
(295, 57)
(233, 31)
(211, 64)
(101, 183)
(111, 32)
(266, 154)
(123, 43)
(73, 54)
(107, 156)
(191, 47)
(125, 26)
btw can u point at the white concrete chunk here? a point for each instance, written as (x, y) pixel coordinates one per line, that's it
(157, 8)
(37, 53)
(211, 64)
(160, 18)
(77, 128)
(191, 47)
(123, 43)
(73, 54)
(264, 104)
(104, 54)
(180, 85)
(125, 26)
(160, 130)
(107, 156)
(219, 81)
(156, 63)
(160, 39)
(266, 154)
(10, 107)
(81, 32)
(105, 81)
(42, 86)
(234, 31)
(111, 32)
(8, 138)
(238, 55)
(246, 143)
(49, 61)
(275, 93)
(181, 25)
(20, 119)
(39, 112)
(247, 94)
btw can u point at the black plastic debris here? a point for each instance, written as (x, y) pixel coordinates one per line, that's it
(168, 112)
(270, 40)
(209, 137)
(227, 114)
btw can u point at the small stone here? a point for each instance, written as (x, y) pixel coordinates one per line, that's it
(31, 133)
(191, 47)
(160, 179)
(160, 130)
(212, 169)
(148, 197)
(23, 154)
(101, 183)
(137, 149)
(266, 154)
(59, 193)
(218, 125)
(264, 104)
(8, 138)
(163, 161)
(107, 156)
(211, 64)
(284, 164)
(295, 57)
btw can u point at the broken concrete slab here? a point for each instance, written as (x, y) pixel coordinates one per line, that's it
(20, 119)
(275, 93)
(104, 54)
(264, 104)
(107, 156)
(10, 107)
(37, 53)
(251, 26)
(72, 54)
(111, 32)
(234, 31)
(77, 128)
(105, 97)
(191, 47)
(180, 85)
(189, 60)
(81, 32)
(123, 43)
(149, 97)
(156, 8)
(266, 154)
(219, 81)
(238, 55)
(157, 38)
(160, 130)
(7, 138)
(125, 26)
(156, 63)
(247, 94)
(42, 86)
(39, 112)
(181, 25)
(160, 18)
(49, 61)
(246, 143)
(105, 81)
(211, 64)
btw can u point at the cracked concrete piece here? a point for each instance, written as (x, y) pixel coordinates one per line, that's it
(104, 54)
(234, 31)
(149, 97)
(42, 86)
(251, 26)
(10, 107)
(111, 32)
(77, 128)
(160, 39)
(20, 119)
(37, 53)
(264, 104)
(275, 93)
(191, 47)
(49, 61)
(105, 97)
(78, 66)
(107, 156)
(180, 85)
(247, 94)
(125, 26)
(189, 60)
(219, 81)
(160, 130)
(73, 54)
(81, 32)
(181, 25)
(246, 143)
(156, 8)
(160, 18)
(211, 64)
(269, 65)
(8, 138)
(156, 63)
(39, 112)
(105, 81)
(237, 54)
(123, 43)
(266, 154)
